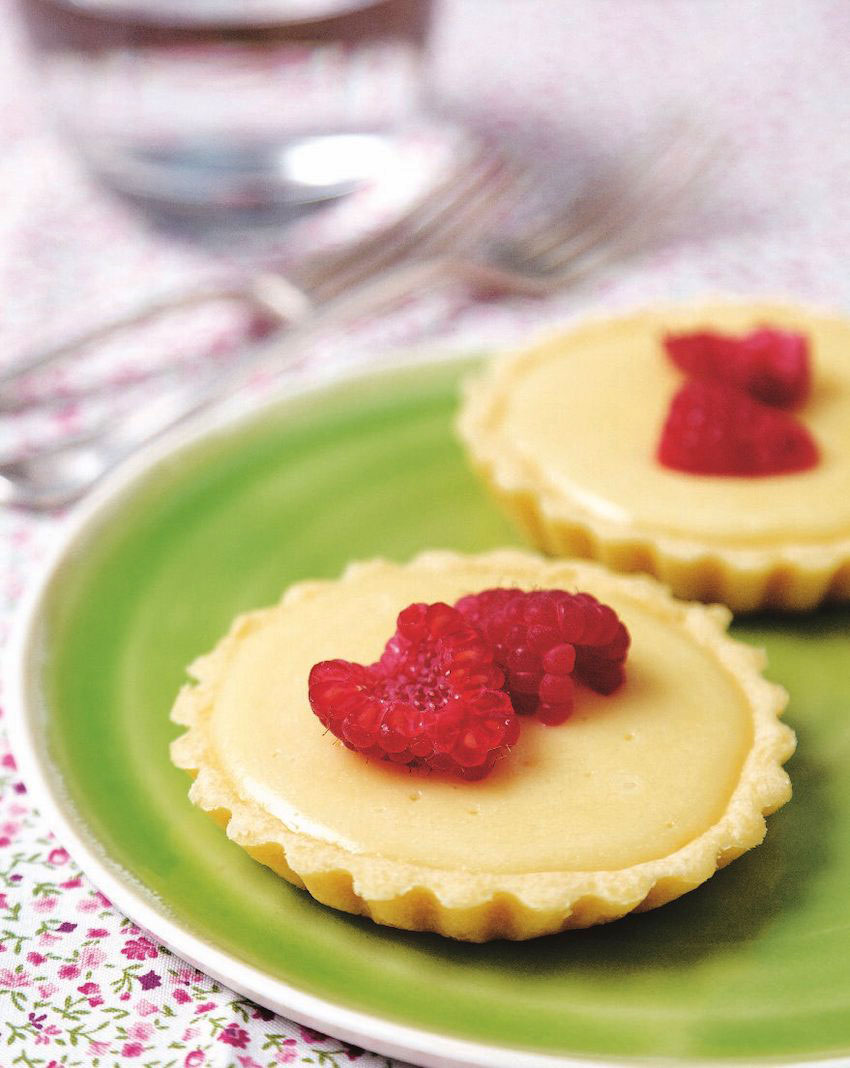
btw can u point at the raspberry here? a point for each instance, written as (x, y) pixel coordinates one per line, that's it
(434, 698)
(715, 429)
(544, 638)
(771, 365)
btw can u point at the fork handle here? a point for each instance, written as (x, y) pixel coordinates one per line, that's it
(185, 399)
(62, 474)
(271, 294)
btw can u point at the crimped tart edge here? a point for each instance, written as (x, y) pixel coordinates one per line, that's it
(792, 576)
(481, 906)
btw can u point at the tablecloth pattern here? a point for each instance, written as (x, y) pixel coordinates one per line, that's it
(570, 80)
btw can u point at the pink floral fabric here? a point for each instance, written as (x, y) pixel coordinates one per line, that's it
(569, 83)
(82, 985)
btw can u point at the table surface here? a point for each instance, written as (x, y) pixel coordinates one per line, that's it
(570, 82)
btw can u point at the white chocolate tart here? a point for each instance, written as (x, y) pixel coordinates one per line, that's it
(634, 801)
(566, 434)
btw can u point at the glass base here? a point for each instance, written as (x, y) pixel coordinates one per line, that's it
(211, 176)
(310, 192)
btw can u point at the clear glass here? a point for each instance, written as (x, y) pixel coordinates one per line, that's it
(245, 105)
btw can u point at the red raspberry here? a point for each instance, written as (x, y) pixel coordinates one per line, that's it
(715, 429)
(543, 638)
(434, 698)
(771, 365)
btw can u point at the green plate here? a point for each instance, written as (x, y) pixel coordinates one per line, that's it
(754, 966)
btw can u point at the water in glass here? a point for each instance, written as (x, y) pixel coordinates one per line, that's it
(232, 104)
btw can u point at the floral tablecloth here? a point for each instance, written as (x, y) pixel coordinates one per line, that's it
(79, 983)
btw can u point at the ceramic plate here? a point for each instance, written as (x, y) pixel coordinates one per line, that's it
(754, 966)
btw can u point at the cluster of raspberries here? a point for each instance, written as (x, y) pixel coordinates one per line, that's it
(732, 415)
(451, 683)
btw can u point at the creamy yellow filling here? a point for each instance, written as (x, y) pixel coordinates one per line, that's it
(629, 778)
(585, 417)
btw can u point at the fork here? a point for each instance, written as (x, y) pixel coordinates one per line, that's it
(456, 201)
(457, 236)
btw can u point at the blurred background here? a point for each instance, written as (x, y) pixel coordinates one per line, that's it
(568, 85)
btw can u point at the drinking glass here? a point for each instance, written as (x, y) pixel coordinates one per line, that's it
(217, 106)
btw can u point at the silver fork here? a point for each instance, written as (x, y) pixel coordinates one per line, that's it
(459, 239)
(467, 195)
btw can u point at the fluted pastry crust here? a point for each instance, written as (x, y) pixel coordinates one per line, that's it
(478, 905)
(794, 569)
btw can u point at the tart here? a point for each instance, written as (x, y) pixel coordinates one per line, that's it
(566, 435)
(639, 797)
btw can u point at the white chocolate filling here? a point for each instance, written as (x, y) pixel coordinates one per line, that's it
(584, 419)
(631, 777)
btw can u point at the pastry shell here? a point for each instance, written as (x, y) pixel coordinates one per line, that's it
(481, 905)
(797, 572)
